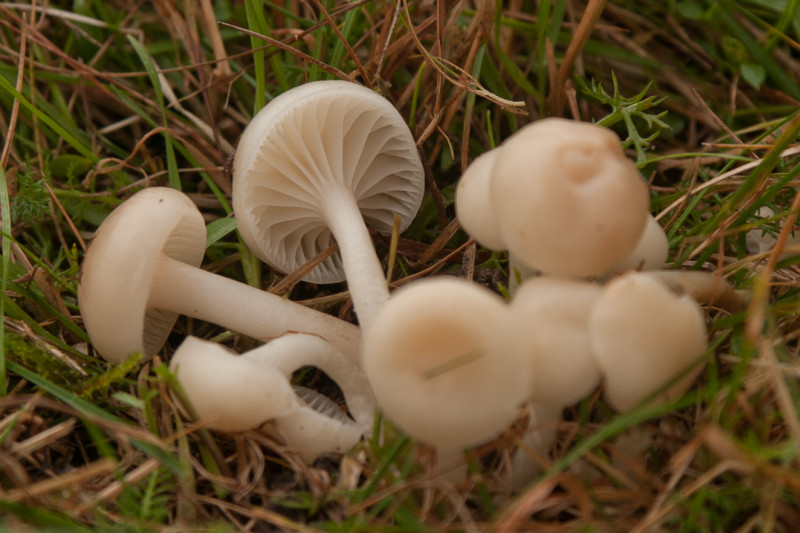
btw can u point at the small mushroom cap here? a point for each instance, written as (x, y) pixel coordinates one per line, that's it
(644, 337)
(443, 364)
(567, 200)
(239, 393)
(552, 315)
(228, 392)
(119, 267)
(473, 208)
(650, 252)
(305, 151)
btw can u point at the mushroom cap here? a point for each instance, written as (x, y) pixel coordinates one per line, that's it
(119, 267)
(228, 392)
(567, 200)
(473, 209)
(552, 315)
(443, 364)
(644, 337)
(239, 393)
(306, 149)
(650, 252)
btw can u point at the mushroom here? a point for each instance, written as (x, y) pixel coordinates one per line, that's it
(758, 241)
(646, 338)
(141, 271)
(551, 316)
(473, 209)
(311, 166)
(560, 196)
(567, 200)
(444, 364)
(239, 393)
(650, 253)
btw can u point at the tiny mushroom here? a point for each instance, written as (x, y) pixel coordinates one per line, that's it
(142, 270)
(551, 315)
(759, 241)
(563, 197)
(444, 365)
(650, 252)
(311, 166)
(646, 338)
(238, 393)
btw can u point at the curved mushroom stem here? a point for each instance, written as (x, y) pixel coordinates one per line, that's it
(705, 287)
(192, 291)
(365, 278)
(290, 353)
(238, 393)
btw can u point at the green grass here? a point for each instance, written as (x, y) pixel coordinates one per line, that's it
(105, 98)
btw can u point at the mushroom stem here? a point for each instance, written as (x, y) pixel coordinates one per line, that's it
(705, 287)
(365, 278)
(283, 356)
(192, 291)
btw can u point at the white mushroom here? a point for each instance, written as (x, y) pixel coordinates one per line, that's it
(567, 200)
(444, 365)
(311, 167)
(650, 252)
(238, 393)
(141, 271)
(473, 208)
(562, 199)
(551, 316)
(646, 337)
(759, 241)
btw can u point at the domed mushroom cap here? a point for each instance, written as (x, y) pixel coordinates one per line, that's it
(650, 252)
(645, 336)
(443, 363)
(309, 149)
(552, 316)
(120, 266)
(567, 200)
(473, 209)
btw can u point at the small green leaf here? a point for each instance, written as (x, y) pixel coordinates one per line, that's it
(219, 229)
(69, 166)
(691, 10)
(753, 74)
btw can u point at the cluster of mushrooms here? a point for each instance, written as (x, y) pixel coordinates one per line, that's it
(449, 362)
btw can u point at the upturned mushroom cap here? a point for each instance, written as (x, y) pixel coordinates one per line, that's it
(153, 222)
(238, 393)
(644, 337)
(443, 363)
(313, 147)
(552, 317)
(567, 200)
(473, 208)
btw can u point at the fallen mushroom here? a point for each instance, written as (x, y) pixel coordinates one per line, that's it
(310, 168)
(141, 271)
(444, 364)
(238, 393)
(645, 337)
